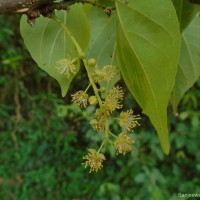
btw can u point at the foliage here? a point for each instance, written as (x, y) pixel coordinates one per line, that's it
(40, 154)
(189, 62)
(146, 39)
(143, 38)
(52, 43)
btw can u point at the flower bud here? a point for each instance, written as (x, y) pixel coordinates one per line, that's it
(92, 62)
(82, 56)
(93, 100)
(102, 89)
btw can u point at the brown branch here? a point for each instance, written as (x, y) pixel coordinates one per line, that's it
(20, 6)
(32, 8)
(35, 8)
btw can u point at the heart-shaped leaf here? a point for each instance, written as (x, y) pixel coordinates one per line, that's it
(148, 42)
(48, 43)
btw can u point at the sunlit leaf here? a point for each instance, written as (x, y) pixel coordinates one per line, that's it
(148, 42)
(47, 42)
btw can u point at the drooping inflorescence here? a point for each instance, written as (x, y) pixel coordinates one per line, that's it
(105, 108)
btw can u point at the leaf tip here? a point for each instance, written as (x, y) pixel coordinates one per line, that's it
(166, 147)
(63, 92)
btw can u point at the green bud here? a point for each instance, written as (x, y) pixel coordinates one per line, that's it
(93, 100)
(102, 89)
(92, 62)
(82, 56)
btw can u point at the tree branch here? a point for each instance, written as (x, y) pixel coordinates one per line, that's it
(20, 6)
(35, 8)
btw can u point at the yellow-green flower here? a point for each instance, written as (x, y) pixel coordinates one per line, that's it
(101, 113)
(113, 99)
(93, 100)
(80, 98)
(106, 74)
(98, 125)
(128, 121)
(109, 72)
(116, 92)
(66, 66)
(97, 75)
(94, 160)
(123, 143)
(112, 104)
(101, 116)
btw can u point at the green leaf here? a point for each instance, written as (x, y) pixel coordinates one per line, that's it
(48, 43)
(189, 63)
(185, 12)
(148, 42)
(102, 40)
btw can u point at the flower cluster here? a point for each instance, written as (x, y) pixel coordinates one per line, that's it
(111, 103)
(107, 73)
(113, 99)
(101, 116)
(123, 143)
(94, 160)
(98, 125)
(128, 121)
(106, 105)
(66, 66)
(80, 98)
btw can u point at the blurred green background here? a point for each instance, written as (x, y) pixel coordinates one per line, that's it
(43, 138)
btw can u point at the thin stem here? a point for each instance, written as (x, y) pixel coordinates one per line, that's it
(87, 87)
(75, 60)
(107, 129)
(92, 82)
(106, 138)
(101, 146)
(112, 134)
